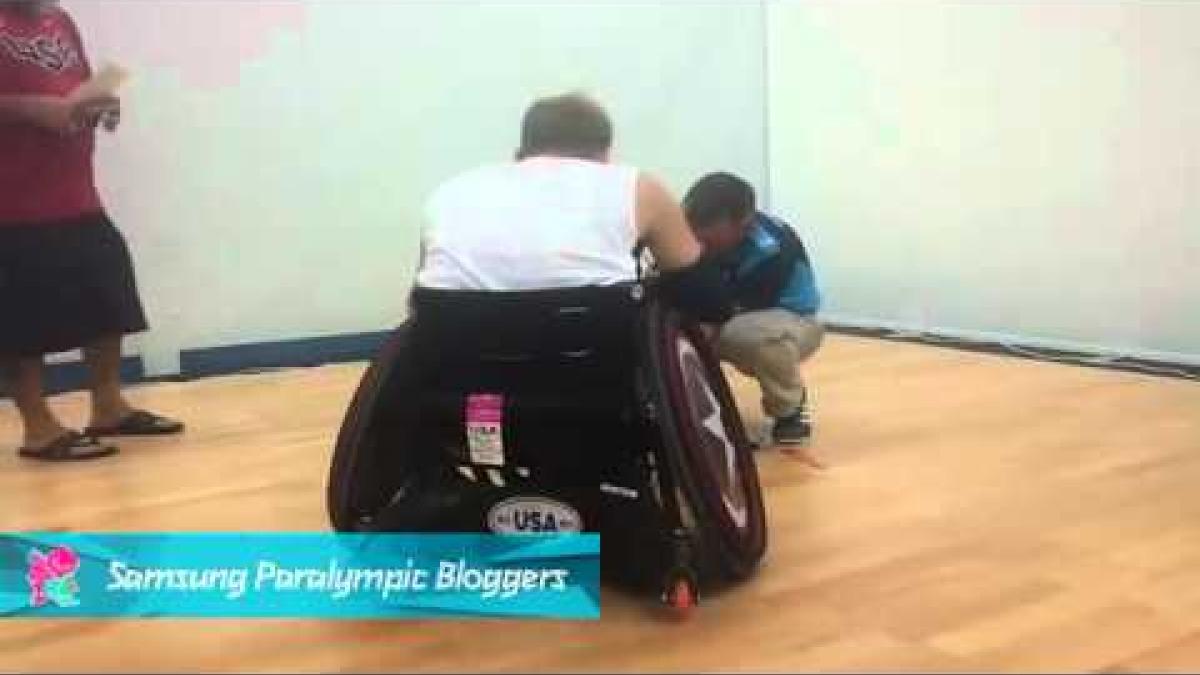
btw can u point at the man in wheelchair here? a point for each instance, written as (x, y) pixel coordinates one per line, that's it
(541, 384)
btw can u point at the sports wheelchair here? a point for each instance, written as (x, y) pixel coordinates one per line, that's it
(603, 410)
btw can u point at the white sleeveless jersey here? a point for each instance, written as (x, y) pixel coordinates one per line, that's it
(545, 222)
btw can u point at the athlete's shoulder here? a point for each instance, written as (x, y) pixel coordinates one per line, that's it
(466, 184)
(474, 175)
(627, 170)
(589, 167)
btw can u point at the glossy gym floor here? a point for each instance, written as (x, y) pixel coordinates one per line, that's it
(976, 512)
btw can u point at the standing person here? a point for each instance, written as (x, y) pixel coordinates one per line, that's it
(66, 277)
(775, 327)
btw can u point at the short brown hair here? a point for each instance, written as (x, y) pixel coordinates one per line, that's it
(571, 125)
(716, 197)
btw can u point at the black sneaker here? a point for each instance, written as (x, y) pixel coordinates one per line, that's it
(795, 429)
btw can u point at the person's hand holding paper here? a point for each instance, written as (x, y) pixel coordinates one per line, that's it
(98, 100)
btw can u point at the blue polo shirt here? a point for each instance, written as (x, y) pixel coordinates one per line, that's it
(763, 243)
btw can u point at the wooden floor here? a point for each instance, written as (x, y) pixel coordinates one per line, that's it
(978, 513)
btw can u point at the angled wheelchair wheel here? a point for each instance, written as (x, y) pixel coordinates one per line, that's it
(716, 470)
(364, 475)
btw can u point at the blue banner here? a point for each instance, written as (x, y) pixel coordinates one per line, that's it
(298, 575)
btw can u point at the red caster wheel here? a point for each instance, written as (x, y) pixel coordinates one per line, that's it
(680, 599)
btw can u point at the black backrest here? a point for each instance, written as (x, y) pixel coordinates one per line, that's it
(546, 343)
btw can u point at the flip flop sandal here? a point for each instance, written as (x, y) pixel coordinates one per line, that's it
(138, 423)
(70, 447)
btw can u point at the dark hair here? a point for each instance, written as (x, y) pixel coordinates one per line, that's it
(716, 197)
(571, 125)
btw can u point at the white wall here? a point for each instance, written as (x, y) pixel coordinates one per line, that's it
(276, 153)
(1023, 170)
(1015, 169)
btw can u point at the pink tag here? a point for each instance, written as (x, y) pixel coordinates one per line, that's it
(485, 429)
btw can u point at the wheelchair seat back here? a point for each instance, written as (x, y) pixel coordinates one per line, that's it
(530, 341)
(562, 361)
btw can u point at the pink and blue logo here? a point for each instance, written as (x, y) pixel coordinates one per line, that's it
(52, 577)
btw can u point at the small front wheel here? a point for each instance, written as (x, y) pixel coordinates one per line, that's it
(680, 598)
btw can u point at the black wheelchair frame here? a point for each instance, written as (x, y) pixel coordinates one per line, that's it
(659, 462)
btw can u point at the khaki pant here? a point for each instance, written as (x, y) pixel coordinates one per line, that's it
(769, 345)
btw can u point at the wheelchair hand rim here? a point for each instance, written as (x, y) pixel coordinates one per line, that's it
(717, 450)
(747, 540)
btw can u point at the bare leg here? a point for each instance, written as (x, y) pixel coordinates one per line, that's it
(41, 425)
(109, 406)
(112, 415)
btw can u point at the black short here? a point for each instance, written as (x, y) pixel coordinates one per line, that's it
(65, 284)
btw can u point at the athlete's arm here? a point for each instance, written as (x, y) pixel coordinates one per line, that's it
(663, 227)
(691, 281)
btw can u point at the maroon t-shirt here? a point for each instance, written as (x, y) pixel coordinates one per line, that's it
(44, 176)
